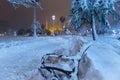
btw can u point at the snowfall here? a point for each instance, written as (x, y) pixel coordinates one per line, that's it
(20, 56)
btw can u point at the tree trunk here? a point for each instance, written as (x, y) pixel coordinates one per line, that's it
(94, 34)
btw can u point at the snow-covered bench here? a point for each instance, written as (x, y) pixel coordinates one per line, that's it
(61, 67)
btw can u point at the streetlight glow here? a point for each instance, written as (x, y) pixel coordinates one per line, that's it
(53, 17)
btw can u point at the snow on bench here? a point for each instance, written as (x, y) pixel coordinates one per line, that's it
(62, 67)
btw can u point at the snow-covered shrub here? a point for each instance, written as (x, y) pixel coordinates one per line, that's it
(76, 45)
(71, 46)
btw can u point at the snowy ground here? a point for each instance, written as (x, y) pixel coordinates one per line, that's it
(20, 58)
(105, 56)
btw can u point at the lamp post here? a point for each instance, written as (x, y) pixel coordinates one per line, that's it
(53, 19)
(34, 20)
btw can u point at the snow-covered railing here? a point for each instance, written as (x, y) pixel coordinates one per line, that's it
(60, 67)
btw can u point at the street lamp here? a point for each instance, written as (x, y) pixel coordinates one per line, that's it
(53, 18)
(34, 18)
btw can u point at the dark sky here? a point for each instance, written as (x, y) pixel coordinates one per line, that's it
(23, 17)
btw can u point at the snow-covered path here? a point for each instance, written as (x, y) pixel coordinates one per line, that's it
(23, 56)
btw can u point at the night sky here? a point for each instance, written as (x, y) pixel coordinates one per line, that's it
(23, 17)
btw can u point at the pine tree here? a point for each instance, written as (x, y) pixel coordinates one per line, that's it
(91, 11)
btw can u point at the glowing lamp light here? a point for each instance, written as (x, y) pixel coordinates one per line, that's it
(53, 17)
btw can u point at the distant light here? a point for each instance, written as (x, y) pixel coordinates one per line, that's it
(91, 29)
(1, 34)
(53, 17)
(114, 32)
(63, 26)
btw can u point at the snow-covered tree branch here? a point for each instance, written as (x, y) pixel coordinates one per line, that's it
(26, 3)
